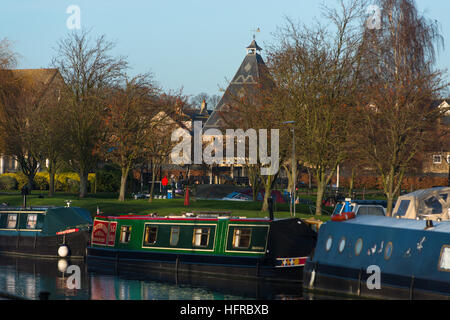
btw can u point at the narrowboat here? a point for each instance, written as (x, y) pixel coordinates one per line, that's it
(50, 232)
(381, 257)
(236, 247)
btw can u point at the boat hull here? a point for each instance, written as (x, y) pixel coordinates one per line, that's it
(381, 257)
(208, 265)
(352, 282)
(45, 246)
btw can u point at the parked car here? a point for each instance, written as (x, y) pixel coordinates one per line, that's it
(363, 207)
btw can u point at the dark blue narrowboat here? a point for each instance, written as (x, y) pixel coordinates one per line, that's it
(45, 231)
(381, 257)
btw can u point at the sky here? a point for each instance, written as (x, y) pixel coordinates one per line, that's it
(194, 45)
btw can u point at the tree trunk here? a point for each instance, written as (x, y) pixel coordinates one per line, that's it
(123, 184)
(352, 180)
(83, 184)
(267, 193)
(320, 192)
(51, 183)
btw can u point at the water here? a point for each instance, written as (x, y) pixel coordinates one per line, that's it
(28, 278)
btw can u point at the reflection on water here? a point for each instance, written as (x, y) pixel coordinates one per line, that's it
(28, 278)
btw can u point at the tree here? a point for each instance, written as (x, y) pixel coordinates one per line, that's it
(317, 69)
(400, 83)
(128, 122)
(89, 72)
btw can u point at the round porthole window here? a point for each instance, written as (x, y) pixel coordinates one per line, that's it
(388, 251)
(329, 243)
(341, 245)
(358, 246)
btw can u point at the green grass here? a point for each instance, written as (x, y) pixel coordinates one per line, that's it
(108, 204)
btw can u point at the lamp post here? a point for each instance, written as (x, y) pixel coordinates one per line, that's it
(294, 182)
(448, 162)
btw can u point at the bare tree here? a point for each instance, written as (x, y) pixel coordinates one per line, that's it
(318, 71)
(399, 86)
(88, 70)
(128, 121)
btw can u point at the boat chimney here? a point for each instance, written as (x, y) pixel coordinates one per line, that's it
(429, 224)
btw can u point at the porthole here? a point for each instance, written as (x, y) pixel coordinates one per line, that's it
(329, 243)
(358, 246)
(341, 245)
(388, 251)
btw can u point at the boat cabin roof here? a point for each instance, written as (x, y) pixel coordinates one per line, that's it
(390, 222)
(186, 217)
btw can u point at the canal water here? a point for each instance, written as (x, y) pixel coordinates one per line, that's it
(36, 278)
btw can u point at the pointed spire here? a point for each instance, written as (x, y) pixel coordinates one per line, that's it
(253, 47)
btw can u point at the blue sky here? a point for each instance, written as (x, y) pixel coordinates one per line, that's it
(196, 45)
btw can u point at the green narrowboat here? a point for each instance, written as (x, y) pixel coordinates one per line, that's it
(204, 244)
(45, 231)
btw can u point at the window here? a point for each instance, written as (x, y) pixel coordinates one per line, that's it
(437, 159)
(358, 246)
(375, 211)
(444, 260)
(201, 237)
(403, 207)
(31, 221)
(329, 243)
(150, 235)
(174, 235)
(12, 221)
(388, 251)
(433, 205)
(341, 245)
(241, 237)
(125, 234)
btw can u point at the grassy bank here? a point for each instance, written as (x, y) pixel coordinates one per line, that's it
(109, 204)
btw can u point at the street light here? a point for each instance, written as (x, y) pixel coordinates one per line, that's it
(292, 204)
(448, 162)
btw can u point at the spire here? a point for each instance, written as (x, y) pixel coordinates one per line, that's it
(253, 47)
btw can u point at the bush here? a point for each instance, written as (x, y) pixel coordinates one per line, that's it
(21, 179)
(8, 182)
(41, 181)
(108, 179)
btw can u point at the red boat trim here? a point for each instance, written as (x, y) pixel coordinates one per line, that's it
(68, 231)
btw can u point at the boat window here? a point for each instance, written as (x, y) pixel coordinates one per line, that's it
(444, 260)
(125, 234)
(151, 233)
(388, 251)
(403, 207)
(338, 208)
(329, 243)
(358, 246)
(341, 245)
(370, 210)
(201, 237)
(31, 221)
(12, 221)
(434, 205)
(241, 237)
(174, 235)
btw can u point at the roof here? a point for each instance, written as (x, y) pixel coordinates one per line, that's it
(250, 73)
(254, 45)
(395, 223)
